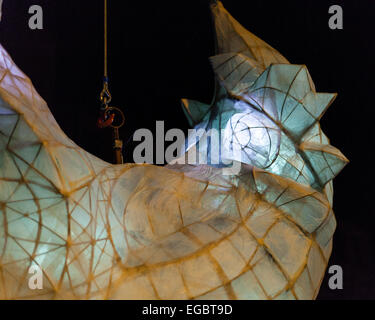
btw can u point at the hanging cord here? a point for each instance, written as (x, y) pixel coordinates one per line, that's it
(105, 38)
(105, 95)
(108, 114)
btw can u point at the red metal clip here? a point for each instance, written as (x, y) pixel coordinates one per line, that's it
(105, 120)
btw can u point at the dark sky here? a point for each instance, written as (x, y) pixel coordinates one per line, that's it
(159, 53)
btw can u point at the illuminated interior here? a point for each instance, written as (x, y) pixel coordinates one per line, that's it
(103, 231)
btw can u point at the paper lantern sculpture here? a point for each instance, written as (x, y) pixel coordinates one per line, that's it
(99, 231)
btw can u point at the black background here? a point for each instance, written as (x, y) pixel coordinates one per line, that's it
(159, 53)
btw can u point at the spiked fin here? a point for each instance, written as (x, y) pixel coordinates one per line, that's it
(287, 93)
(232, 37)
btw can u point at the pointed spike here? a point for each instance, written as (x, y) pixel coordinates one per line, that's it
(195, 111)
(302, 84)
(318, 103)
(315, 135)
(233, 37)
(326, 160)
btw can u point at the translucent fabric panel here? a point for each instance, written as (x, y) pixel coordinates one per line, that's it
(184, 231)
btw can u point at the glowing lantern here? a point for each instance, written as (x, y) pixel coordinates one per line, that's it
(184, 231)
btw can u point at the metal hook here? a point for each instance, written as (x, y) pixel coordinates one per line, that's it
(105, 95)
(108, 116)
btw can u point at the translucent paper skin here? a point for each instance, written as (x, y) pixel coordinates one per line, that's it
(102, 231)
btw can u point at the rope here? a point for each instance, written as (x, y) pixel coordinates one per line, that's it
(109, 114)
(106, 39)
(105, 95)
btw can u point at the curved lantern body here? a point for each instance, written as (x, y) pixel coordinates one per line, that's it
(132, 231)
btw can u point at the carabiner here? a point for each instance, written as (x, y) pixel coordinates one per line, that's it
(105, 95)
